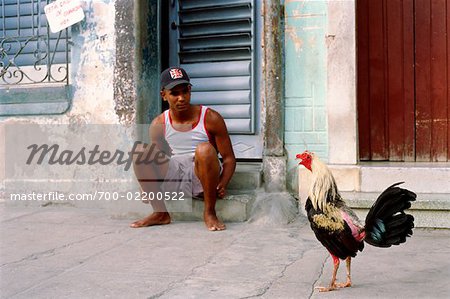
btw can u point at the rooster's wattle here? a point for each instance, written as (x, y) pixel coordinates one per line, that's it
(338, 228)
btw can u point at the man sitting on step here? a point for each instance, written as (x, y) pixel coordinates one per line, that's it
(191, 136)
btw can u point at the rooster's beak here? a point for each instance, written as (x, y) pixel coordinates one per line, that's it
(298, 157)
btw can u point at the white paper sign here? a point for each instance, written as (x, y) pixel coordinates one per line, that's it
(63, 13)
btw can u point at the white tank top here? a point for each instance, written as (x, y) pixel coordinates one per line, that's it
(183, 143)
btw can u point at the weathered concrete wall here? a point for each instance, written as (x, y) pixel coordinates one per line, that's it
(274, 159)
(341, 95)
(93, 56)
(102, 71)
(305, 82)
(148, 64)
(92, 67)
(273, 77)
(124, 64)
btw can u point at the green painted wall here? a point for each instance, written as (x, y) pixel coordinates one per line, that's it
(305, 79)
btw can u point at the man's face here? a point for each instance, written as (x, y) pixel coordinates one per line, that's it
(179, 97)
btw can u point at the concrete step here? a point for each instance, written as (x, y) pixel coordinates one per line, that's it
(248, 176)
(419, 177)
(236, 206)
(233, 208)
(429, 210)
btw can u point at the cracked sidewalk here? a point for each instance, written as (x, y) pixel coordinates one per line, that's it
(57, 251)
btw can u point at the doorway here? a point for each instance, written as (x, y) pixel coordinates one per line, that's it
(403, 62)
(216, 42)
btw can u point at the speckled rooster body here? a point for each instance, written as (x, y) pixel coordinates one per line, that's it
(338, 228)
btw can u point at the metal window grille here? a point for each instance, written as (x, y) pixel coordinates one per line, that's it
(29, 52)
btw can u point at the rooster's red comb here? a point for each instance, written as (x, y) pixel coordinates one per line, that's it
(304, 155)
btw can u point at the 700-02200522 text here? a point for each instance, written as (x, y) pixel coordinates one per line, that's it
(140, 195)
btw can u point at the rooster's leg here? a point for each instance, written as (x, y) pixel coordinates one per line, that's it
(333, 285)
(348, 283)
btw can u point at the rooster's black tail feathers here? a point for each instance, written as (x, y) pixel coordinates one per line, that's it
(387, 223)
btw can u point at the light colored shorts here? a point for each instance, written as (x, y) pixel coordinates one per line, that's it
(181, 176)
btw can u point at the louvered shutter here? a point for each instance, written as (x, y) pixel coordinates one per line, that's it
(25, 36)
(214, 42)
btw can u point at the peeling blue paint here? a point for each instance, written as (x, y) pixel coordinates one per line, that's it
(305, 79)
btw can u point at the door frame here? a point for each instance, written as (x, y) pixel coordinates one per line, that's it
(247, 146)
(341, 87)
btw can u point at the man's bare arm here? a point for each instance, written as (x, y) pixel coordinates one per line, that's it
(156, 134)
(217, 128)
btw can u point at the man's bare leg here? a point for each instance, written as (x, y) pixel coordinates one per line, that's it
(155, 218)
(207, 170)
(146, 174)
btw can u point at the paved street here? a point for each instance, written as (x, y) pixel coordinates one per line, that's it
(65, 252)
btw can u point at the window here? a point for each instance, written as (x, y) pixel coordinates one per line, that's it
(34, 62)
(214, 41)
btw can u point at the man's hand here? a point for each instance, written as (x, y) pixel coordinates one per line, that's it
(221, 191)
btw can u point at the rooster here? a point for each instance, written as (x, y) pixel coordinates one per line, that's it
(338, 228)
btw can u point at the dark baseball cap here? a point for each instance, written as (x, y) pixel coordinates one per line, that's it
(174, 76)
